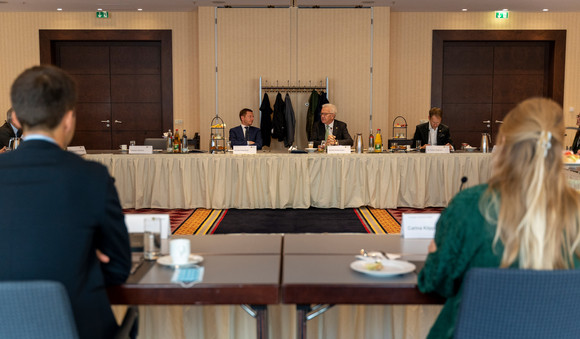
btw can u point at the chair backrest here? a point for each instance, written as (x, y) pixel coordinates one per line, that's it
(513, 303)
(35, 309)
(157, 143)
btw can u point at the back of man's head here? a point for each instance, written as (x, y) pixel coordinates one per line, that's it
(41, 95)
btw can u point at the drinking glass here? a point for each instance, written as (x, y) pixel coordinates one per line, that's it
(151, 238)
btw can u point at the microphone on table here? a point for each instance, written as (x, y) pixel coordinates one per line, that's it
(463, 181)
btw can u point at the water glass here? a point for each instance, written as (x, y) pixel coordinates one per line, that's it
(151, 238)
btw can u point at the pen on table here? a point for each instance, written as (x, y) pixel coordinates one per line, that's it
(136, 266)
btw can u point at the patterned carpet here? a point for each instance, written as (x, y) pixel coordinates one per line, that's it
(206, 221)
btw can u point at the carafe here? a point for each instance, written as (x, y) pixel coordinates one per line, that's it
(358, 143)
(485, 142)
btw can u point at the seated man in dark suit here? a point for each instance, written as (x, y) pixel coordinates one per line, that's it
(246, 134)
(330, 130)
(433, 132)
(10, 129)
(65, 223)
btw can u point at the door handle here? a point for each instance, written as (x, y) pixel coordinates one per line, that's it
(487, 122)
(499, 122)
(118, 122)
(106, 121)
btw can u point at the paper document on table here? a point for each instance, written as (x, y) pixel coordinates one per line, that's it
(419, 225)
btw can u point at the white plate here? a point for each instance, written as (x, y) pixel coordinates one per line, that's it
(311, 149)
(193, 259)
(390, 268)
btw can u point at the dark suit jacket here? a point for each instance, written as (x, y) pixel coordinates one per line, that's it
(6, 132)
(57, 209)
(422, 133)
(339, 131)
(237, 136)
(576, 143)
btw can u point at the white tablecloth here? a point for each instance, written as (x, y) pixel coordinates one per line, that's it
(274, 180)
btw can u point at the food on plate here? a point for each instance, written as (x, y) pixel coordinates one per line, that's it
(375, 266)
(571, 158)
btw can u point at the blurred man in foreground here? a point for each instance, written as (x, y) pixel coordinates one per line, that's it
(61, 217)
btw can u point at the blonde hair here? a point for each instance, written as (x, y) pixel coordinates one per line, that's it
(536, 212)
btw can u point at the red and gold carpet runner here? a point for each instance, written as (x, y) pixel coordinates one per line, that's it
(203, 221)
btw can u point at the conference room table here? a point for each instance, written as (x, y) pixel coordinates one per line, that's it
(317, 270)
(290, 180)
(238, 269)
(260, 270)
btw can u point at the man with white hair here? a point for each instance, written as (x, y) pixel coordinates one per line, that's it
(330, 130)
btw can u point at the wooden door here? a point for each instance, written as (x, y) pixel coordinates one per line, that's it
(476, 83)
(124, 83)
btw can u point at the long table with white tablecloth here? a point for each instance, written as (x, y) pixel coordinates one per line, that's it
(282, 180)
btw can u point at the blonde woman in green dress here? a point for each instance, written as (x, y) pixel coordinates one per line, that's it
(526, 216)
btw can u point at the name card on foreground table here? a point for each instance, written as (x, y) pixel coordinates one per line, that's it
(437, 149)
(78, 150)
(419, 225)
(245, 149)
(337, 149)
(141, 149)
(136, 223)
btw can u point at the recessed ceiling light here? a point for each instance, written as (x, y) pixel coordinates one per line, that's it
(99, 9)
(465, 9)
(545, 10)
(504, 10)
(139, 9)
(59, 9)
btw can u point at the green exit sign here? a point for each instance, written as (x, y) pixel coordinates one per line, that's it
(501, 15)
(102, 14)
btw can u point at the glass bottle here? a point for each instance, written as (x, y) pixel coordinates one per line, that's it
(169, 142)
(184, 141)
(371, 141)
(378, 141)
(176, 142)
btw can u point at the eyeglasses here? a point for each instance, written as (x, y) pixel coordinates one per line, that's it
(326, 113)
(578, 116)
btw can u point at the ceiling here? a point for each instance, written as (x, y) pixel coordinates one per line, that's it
(188, 5)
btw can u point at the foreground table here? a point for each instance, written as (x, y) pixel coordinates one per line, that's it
(239, 269)
(316, 271)
(282, 180)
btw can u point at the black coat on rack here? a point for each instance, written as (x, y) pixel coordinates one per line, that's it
(279, 118)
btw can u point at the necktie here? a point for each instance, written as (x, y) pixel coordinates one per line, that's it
(327, 132)
(246, 133)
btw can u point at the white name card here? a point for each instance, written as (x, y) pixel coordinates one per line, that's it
(419, 225)
(437, 149)
(141, 149)
(245, 149)
(78, 150)
(337, 149)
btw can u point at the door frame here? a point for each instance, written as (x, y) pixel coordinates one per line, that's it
(557, 55)
(48, 38)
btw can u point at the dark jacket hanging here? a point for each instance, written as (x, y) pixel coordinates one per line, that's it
(321, 101)
(290, 122)
(312, 106)
(266, 120)
(279, 119)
